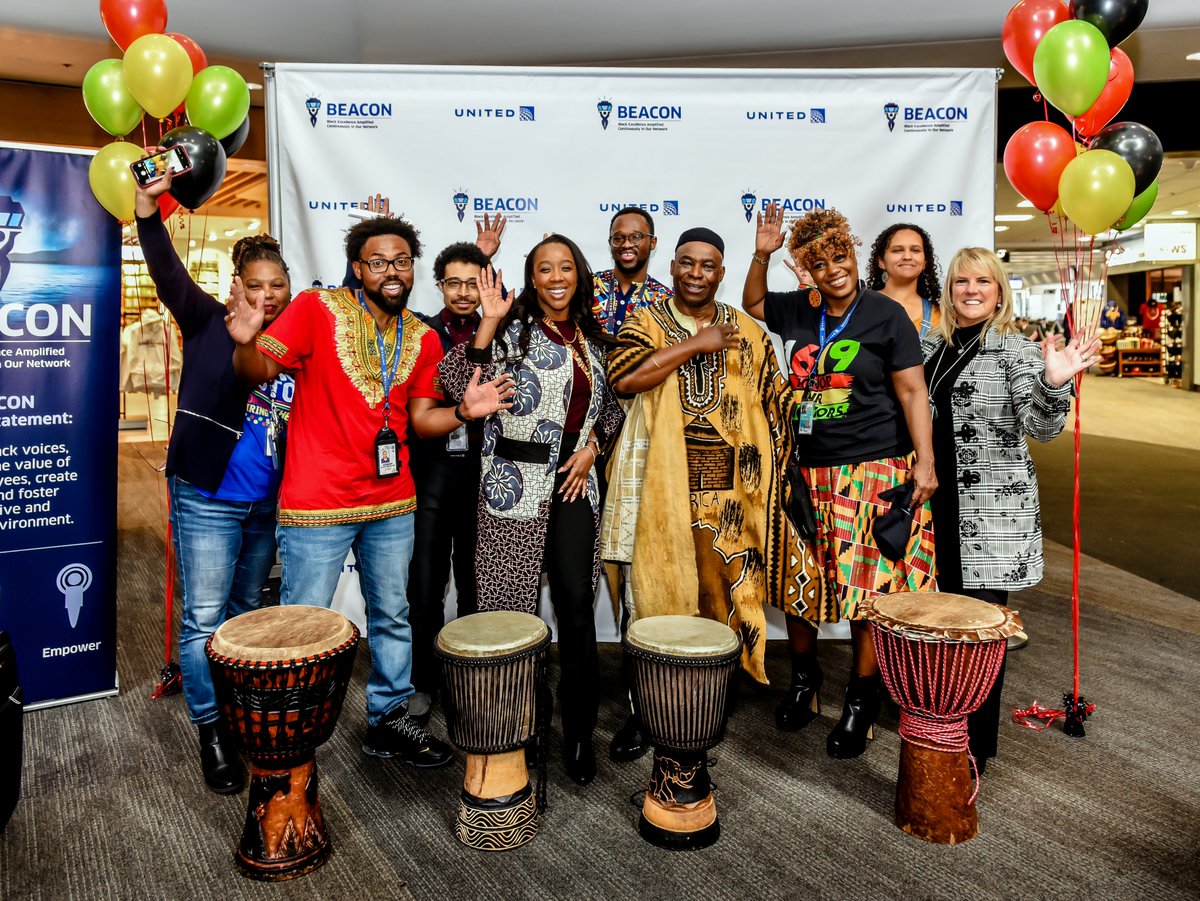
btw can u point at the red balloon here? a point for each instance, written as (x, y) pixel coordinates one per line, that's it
(195, 54)
(166, 206)
(128, 20)
(1023, 28)
(1035, 158)
(1110, 101)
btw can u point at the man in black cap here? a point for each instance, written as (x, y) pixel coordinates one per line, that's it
(708, 391)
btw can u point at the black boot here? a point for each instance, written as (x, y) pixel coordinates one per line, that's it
(801, 703)
(223, 771)
(863, 700)
(629, 742)
(579, 759)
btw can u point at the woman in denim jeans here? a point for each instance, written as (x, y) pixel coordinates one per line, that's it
(223, 465)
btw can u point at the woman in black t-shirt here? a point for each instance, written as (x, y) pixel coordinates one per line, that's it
(859, 409)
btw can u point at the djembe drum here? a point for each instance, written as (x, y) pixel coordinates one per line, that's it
(281, 675)
(492, 672)
(682, 668)
(939, 655)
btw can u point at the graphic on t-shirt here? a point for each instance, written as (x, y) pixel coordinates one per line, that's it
(828, 387)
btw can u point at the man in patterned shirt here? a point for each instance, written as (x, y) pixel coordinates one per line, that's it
(627, 286)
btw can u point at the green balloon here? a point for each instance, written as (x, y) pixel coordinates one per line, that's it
(1139, 208)
(108, 100)
(1070, 66)
(1095, 189)
(218, 101)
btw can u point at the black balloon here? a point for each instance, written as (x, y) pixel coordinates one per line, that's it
(233, 142)
(1137, 145)
(193, 188)
(1116, 19)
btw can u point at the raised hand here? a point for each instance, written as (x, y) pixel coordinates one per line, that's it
(802, 276)
(489, 233)
(493, 304)
(1063, 364)
(146, 199)
(768, 237)
(712, 338)
(244, 319)
(480, 400)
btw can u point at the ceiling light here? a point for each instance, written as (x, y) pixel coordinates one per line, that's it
(1026, 204)
(192, 243)
(1179, 212)
(254, 86)
(1001, 228)
(230, 232)
(1014, 217)
(253, 225)
(212, 236)
(1195, 56)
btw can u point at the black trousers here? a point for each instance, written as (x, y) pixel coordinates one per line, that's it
(445, 531)
(570, 543)
(983, 726)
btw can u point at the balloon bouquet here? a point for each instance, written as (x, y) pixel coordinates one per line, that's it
(166, 76)
(1087, 181)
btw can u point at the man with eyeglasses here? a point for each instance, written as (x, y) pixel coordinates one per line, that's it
(447, 472)
(627, 286)
(366, 376)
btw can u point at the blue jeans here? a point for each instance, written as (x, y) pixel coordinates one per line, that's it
(224, 551)
(312, 559)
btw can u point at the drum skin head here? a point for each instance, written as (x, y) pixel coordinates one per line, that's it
(936, 616)
(491, 634)
(682, 636)
(279, 634)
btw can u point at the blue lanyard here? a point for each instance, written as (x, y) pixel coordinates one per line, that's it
(386, 375)
(837, 331)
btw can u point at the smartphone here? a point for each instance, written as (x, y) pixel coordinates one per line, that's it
(152, 168)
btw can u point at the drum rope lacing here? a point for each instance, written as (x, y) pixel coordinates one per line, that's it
(936, 695)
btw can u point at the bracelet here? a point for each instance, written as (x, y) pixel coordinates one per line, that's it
(588, 448)
(458, 414)
(657, 365)
(760, 260)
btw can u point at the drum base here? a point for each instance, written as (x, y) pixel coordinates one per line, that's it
(285, 833)
(497, 824)
(679, 812)
(933, 795)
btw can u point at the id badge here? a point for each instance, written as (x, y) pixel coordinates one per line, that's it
(270, 447)
(387, 454)
(456, 441)
(804, 417)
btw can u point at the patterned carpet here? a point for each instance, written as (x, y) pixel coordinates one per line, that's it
(114, 806)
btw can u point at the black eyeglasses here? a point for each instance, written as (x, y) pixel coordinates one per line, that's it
(401, 264)
(634, 239)
(455, 285)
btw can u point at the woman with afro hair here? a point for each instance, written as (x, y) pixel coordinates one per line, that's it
(861, 417)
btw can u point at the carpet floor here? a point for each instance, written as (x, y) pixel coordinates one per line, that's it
(114, 806)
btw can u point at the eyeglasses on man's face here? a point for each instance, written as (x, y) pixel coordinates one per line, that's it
(458, 285)
(401, 264)
(634, 239)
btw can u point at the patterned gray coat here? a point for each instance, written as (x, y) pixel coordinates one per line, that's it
(999, 400)
(515, 496)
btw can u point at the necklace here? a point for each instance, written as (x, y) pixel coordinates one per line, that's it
(934, 380)
(582, 357)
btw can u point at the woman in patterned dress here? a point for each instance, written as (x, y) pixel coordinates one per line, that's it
(539, 500)
(990, 388)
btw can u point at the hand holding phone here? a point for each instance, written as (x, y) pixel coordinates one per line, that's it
(153, 168)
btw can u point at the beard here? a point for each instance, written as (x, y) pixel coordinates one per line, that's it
(630, 268)
(391, 306)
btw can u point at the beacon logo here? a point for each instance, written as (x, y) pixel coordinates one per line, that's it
(73, 580)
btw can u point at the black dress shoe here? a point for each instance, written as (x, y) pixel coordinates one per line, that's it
(580, 761)
(863, 700)
(223, 771)
(629, 742)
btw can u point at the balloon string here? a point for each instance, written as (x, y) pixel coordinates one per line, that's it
(1075, 535)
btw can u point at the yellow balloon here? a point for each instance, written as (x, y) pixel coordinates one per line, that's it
(1096, 189)
(111, 180)
(158, 73)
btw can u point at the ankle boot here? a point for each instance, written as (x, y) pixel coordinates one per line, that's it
(863, 700)
(629, 742)
(801, 702)
(223, 772)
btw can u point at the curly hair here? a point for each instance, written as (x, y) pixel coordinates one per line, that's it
(362, 232)
(526, 310)
(257, 248)
(461, 252)
(928, 283)
(819, 232)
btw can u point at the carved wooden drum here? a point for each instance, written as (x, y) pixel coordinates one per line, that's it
(939, 655)
(682, 668)
(281, 675)
(491, 671)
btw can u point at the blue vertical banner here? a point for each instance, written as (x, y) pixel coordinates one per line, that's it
(60, 307)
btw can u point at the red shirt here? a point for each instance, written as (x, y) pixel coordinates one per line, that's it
(327, 340)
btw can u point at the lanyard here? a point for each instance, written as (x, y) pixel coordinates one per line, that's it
(825, 342)
(386, 375)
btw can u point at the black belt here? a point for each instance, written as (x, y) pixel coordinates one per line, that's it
(522, 451)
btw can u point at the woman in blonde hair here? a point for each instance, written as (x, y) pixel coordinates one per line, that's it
(223, 464)
(990, 388)
(860, 415)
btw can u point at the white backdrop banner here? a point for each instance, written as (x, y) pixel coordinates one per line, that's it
(561, 150)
